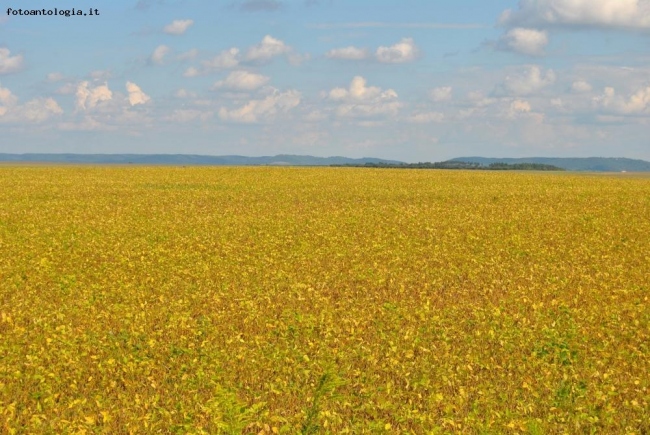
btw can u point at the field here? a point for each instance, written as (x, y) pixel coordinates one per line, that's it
(332, 300)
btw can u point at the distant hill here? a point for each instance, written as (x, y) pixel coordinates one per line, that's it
(594, 164)
(189, 159)
(597, 164)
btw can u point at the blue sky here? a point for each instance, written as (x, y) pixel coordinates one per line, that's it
(409, 80)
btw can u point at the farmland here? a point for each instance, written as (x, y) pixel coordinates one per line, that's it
(331, 300)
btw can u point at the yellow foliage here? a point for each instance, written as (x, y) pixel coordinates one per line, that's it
(331, 300)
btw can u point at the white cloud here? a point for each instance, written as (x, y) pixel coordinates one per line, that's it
(88, 123)
(267, 49)
(178, 27)
(33, 111)
(136, 96)
(188, 55)
(159, 54)
(362, 100)
(184, 93)
(348, 53)
(54, 77)
(358, 91)
(525, 41)
(369, 109)
(67, 89)
(581, 87)
(315, 116)
(227, 59)
(100, 75)
(8, 63)
(637, 103)
(403, 51)
(600, 13)
(263, 109)
(39, 110)
(426, 117)
(441, 94)
(520, 106)
(191, 72)
(7, 98)
(296, 59)
(187, 115)
(606, 98)
(242, 81)
(88, 98)
(528, 81)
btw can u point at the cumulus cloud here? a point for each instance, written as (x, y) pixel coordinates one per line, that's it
(530, 42)
(606, 98)
(633, 14)
(361, 100)
(88, 123)
(297, 59)
(178, 27)
(262, 109)
(242, 81)
(518, 107)
(54, 77)
(89, 98)
(188, 115)
(136, 96)
(528, 81)
(39, 109)
(315, 116)
(159, 54)
(441, 94)
(403, 51)
(227, 59)
(348, 53)
(7, 98)
(426, 117)
(8, 63)
(580, 87)
(191, 72)
(100, 75)
(67, 89)
(33, 111)
(358, 91)
(184, 93)
(267, 49)
(637, 103)
(188, 55)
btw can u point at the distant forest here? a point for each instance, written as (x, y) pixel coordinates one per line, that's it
(498, 166)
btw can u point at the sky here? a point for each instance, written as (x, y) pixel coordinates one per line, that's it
(412, 80)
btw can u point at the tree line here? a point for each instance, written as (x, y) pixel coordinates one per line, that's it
(457, 165)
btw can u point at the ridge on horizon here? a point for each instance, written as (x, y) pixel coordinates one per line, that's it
(595, 164)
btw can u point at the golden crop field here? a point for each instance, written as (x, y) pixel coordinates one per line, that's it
(322, 300)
